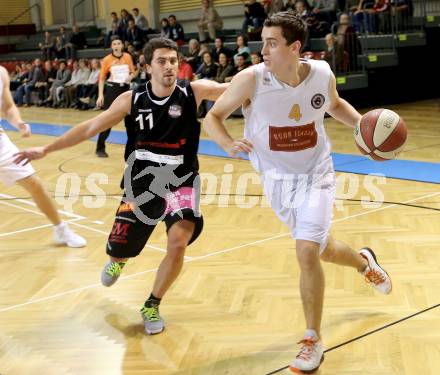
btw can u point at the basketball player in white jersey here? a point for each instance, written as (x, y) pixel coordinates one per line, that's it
(284, 101)
(24, 175)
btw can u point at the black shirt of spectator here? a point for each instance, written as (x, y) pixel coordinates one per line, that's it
(176, 31)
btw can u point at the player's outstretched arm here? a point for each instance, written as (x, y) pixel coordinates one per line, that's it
(85, 130)
(10, 109)
(340, 109)
(205, 89)
(240, 90)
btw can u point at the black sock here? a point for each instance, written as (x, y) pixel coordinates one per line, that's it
(152, 301)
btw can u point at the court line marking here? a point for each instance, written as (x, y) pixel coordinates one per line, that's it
(31, 229)
(13, 307)
(369, 333)
(66, 213)
(72, 221)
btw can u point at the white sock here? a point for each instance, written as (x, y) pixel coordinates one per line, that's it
(311, 333)
(60, 225)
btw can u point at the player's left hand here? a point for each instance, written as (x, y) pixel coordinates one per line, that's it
(30, 154)
(25, 130)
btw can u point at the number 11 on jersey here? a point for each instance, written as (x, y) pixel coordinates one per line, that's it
(149, 118)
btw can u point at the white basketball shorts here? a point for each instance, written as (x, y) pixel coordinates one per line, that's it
(10, 172)
(304, 203)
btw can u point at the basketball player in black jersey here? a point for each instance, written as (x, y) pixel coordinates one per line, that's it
(161, 179)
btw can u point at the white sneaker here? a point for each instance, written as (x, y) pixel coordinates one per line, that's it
(63, 235)
(310, 355)
(374, 274)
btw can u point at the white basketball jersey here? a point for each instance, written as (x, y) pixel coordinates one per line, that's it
(286, 124)
(1, 100)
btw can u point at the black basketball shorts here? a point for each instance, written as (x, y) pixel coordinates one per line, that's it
(134, 224)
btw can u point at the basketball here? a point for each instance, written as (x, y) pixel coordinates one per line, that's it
(381, 134)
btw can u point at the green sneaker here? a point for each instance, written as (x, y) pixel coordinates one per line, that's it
(111, 272)
(153, 323)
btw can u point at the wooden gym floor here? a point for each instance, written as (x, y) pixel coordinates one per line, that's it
(235, 308)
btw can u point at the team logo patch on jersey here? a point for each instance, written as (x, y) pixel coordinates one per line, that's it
(175, 110)
(318, 101)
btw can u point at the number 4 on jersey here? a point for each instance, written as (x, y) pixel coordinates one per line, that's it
(295, 113)
(149, 118)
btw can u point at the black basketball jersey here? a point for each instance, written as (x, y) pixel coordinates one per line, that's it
(164, 132)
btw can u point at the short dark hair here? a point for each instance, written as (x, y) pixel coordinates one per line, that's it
(293, 27)
(172, 16)
(116, 37)
(135, 9)
(157, 43)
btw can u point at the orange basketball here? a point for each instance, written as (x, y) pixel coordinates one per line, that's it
(381, 134)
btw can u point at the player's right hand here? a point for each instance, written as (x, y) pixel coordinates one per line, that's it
(26, 156)
(238, 146)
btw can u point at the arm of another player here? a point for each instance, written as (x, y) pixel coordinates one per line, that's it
(240, 91)
(205, 89)
(340, 109)
(10, 109)
(85, 130)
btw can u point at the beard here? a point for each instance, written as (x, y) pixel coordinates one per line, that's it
(168, 81)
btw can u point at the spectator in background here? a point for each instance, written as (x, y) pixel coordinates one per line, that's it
(325, 10)
(114, 19)
(77, 41)
(142, 76)
(301, 9)
(63, 75)
(59, 48)
(15, 77)
(79, 77)
(89, 90)
(47, 46)
(224, 69)
(208, 69)
(210, 21)
(255, 58)
(218, 49)
(63, 38)
(115, 31)
(362, 15)
(346, 40)
(133, 53)
(273, 6)
(194, 56)
(134, 36)
(185, 69)
(316, 28)
(34, 76)
(254, 16)
(125, 17)
(165, 28)
(335, 55)
(50, 74)
(240, 64)
(382, 14)
(290, 4)
(242, 46)
(140, 21)
(176, 30)
(402, 10)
